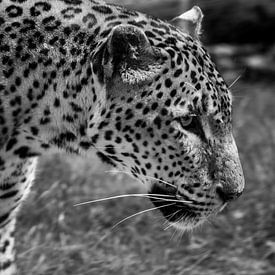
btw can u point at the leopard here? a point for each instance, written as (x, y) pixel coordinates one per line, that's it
(83, 76)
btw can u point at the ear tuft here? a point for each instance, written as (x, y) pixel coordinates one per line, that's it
(190, 22)
(127, 54)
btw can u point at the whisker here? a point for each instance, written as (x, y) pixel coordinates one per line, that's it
(158, 199)
(106, 235)
(141, 212)
(149, 177)
(166, 222)
(157, 196)
(165, 182)
(172, 236)
(117, 171)
(179, 201)
(168, 226)
(177, 222)
(235, 81)
(180, 219)
(181, 231)
(169, 223)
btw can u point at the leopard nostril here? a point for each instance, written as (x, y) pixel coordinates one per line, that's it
(227, 195)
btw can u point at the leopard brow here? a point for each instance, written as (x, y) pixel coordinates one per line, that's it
(181, 111)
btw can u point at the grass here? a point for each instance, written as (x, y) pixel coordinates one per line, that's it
(54, 237)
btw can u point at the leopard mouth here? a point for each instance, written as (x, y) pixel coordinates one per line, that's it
(181, 213)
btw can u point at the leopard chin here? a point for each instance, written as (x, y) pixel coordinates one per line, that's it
(179, 215)
(182, 213)
(187, 225)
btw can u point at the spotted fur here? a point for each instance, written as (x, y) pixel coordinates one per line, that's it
(78, 75)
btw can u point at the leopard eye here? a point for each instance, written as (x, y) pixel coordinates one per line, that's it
(192, 124)
(184, 121)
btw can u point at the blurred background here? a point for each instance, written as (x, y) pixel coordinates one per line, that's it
(57, 238)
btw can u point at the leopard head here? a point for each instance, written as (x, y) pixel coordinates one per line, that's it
(165, 117)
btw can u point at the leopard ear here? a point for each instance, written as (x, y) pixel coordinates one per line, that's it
(127, 54)
(190, 22)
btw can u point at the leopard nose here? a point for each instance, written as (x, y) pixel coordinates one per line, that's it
(227, 194)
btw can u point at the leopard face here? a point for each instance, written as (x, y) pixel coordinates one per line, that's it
(168, 123)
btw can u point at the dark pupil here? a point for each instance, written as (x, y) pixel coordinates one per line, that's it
(184, 121)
